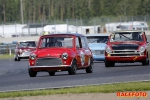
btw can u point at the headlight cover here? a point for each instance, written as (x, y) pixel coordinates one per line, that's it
(32, 56)
(108, 49)
(64, 55)
(142, 49)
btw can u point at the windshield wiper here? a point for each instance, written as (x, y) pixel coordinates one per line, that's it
(125, 36)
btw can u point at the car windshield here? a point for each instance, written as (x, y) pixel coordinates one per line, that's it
(126, 36)
(27, 44)
(50, 42)
(97, 39)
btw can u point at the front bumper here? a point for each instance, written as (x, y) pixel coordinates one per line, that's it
(49, 68)
(99, 57)
(125, 58)
(23, 57)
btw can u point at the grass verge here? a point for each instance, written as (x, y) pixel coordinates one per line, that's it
(105, 88)
(6, 56)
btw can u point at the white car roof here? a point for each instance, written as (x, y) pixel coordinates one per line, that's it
(100, 34)
(26, 41)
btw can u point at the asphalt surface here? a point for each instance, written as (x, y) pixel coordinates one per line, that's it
(14, 76)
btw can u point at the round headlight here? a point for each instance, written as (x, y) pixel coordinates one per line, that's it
(142, 49)
(64, 56)
(32, 56)
(108, 49)
(20, 50)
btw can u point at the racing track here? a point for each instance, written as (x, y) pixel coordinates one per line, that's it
(14, 76)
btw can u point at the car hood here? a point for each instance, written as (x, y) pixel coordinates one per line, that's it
(27, 48)
(52, 52)
(97, 46)
(125, 45)
(128, 42)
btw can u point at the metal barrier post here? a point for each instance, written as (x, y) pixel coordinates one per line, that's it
(10, 51)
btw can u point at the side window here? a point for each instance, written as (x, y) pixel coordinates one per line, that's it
(78, 43)
(84, 42)
(44, 43)
(145, 37)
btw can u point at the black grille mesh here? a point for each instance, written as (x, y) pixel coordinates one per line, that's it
(48, 62)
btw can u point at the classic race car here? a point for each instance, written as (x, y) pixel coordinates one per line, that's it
(61, 52)
(126, 46)
(23, 49)
(97, 44)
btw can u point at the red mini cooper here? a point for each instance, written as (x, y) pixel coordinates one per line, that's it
(61, 52)
(126, 46)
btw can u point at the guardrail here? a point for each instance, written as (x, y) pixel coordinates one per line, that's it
(7, 48)
(10, 47)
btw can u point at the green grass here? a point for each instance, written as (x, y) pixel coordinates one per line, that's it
(6, 56)
(105, 88)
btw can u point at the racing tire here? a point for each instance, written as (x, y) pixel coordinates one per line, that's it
(146, 61)
(51, 73)
(107, 63)
(15, 59)
(72, 70)
(18, 59)
(89, 69)
(112, 64)
(32, 73)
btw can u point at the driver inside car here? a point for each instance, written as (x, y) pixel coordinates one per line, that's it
(53, 42)
(136, 36)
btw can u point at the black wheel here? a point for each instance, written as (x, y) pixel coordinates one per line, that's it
(32, 73)
(72, 70)
(146, 61)
(89, 69)
(107, 63)
(18, 59)
(51, 73)
(15, 59)
(112, 64)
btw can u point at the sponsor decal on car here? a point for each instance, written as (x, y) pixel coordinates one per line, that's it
(135, 58)
(82, 58)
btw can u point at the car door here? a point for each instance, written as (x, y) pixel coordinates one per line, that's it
(85, 51)
(79, 52)
(82, 52)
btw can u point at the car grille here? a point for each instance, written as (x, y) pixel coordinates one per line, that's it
(27, 53)
(125, 47)
(99, 52)
(48, 62)
(125, 53)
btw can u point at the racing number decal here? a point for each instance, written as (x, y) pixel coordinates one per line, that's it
(134, 58)
(82, 58)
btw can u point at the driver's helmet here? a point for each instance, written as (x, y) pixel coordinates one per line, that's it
(53, 39)
(135, 36)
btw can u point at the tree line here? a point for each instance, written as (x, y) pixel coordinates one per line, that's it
(36, 10)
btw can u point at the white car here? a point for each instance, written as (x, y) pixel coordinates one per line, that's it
(97, 44)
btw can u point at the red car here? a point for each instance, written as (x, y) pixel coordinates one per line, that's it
(23, 49)
(61, 52)
(126, 46)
